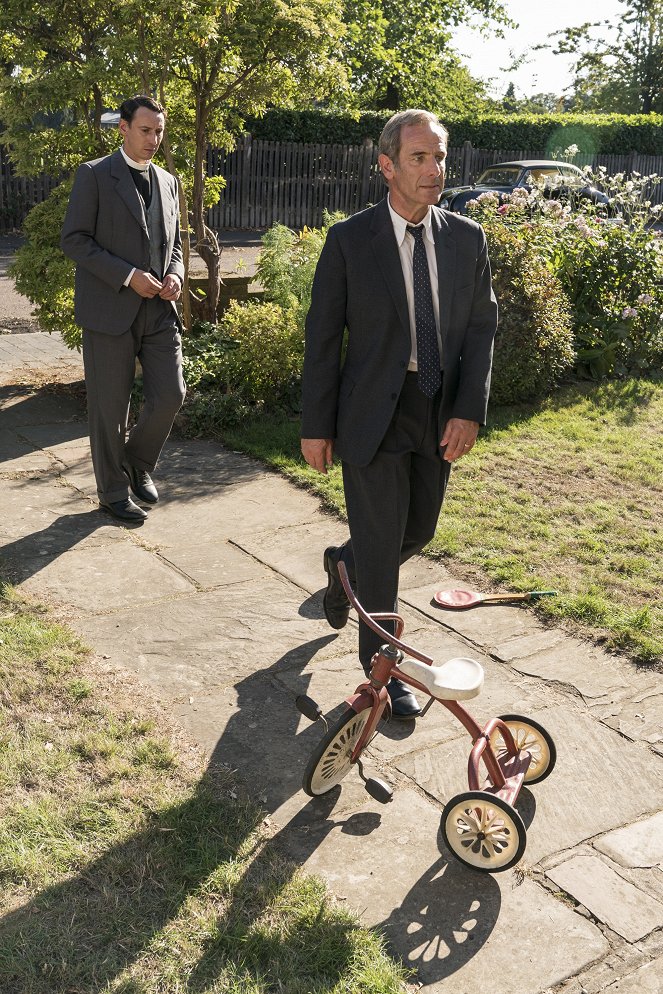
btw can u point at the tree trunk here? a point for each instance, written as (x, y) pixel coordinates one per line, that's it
(184, 232)
(207, 245)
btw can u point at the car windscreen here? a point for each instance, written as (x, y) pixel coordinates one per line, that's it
(497, 176)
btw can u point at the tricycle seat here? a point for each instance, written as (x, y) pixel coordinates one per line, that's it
(458, 679)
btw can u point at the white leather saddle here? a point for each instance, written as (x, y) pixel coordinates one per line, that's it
(456, 680)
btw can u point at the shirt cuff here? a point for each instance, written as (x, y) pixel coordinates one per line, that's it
(130, 277)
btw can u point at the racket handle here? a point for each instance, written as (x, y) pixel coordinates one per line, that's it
(535, 594)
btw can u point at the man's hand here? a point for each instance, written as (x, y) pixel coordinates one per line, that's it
(458, 438)
(319, 453)
(171, 288)
(145, 284)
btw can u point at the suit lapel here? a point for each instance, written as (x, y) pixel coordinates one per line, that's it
(388, 259)
(445, 254)
(126, 188)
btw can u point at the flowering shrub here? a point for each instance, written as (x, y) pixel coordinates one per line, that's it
(610, 267)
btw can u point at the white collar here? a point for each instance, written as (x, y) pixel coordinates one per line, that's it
(140, 166)
(401, 225)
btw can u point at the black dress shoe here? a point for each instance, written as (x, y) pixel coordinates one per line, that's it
(141, 484)
(335, 602)
(124, 510)
(404, 705)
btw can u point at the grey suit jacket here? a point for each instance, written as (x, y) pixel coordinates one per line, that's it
(105, 233)
(359, 286)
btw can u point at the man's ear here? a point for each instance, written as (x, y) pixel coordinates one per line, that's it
(122, 126)
(386, 166)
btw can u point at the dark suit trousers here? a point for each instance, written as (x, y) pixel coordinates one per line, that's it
(393, 505)
(110, 365)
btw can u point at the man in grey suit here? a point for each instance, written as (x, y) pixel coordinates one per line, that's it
(410, 285)
(122, 230)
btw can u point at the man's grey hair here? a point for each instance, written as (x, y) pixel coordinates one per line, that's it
(390, 140)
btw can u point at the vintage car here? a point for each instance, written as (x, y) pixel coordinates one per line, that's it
(560, 180)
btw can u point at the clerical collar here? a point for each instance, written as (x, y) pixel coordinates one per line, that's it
(138, 166)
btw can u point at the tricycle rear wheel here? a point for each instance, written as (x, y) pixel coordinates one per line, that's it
(532, 737)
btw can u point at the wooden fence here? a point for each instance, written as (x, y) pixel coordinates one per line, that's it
(295, 183)
(18, 194)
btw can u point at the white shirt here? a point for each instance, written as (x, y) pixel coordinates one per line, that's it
(406, 252)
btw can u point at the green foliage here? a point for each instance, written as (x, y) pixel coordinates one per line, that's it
(534, 342)
(593, 133)
(43, 273)
(287, 265)
(613, 276)
(250, 361)
(620, 66)
(400, 55)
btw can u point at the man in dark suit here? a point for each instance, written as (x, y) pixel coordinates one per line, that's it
(122, 230)
(411, 285)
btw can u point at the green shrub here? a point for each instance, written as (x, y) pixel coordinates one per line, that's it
(252, 360)
(612, 274)
(287, 265)
(593, 133)
(42, 271)
(534, 342)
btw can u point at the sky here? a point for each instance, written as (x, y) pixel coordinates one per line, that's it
(545, 73)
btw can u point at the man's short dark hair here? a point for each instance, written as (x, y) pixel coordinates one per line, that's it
(130, 106)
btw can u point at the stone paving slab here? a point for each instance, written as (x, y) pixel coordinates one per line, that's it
(94, 579)
(640, 844)
(455, 927)
(298, 552)
(255, 729)
(67, 441)
(23, 407)
(19, 456)
(584, 667)
(622, 907)
(39, 350)
(528, 645)
(189, 644)
(640, 719)
(647, 980)
(212, 564)
(229, 511)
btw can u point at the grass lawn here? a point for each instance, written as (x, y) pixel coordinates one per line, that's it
(566, 495)
(126, 866)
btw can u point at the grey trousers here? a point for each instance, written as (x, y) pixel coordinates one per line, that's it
(393, 505)
(110, 363)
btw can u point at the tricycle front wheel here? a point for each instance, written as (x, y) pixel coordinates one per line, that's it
(483, 831)
(330, 761)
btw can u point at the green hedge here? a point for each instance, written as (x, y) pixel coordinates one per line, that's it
(592, 133)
